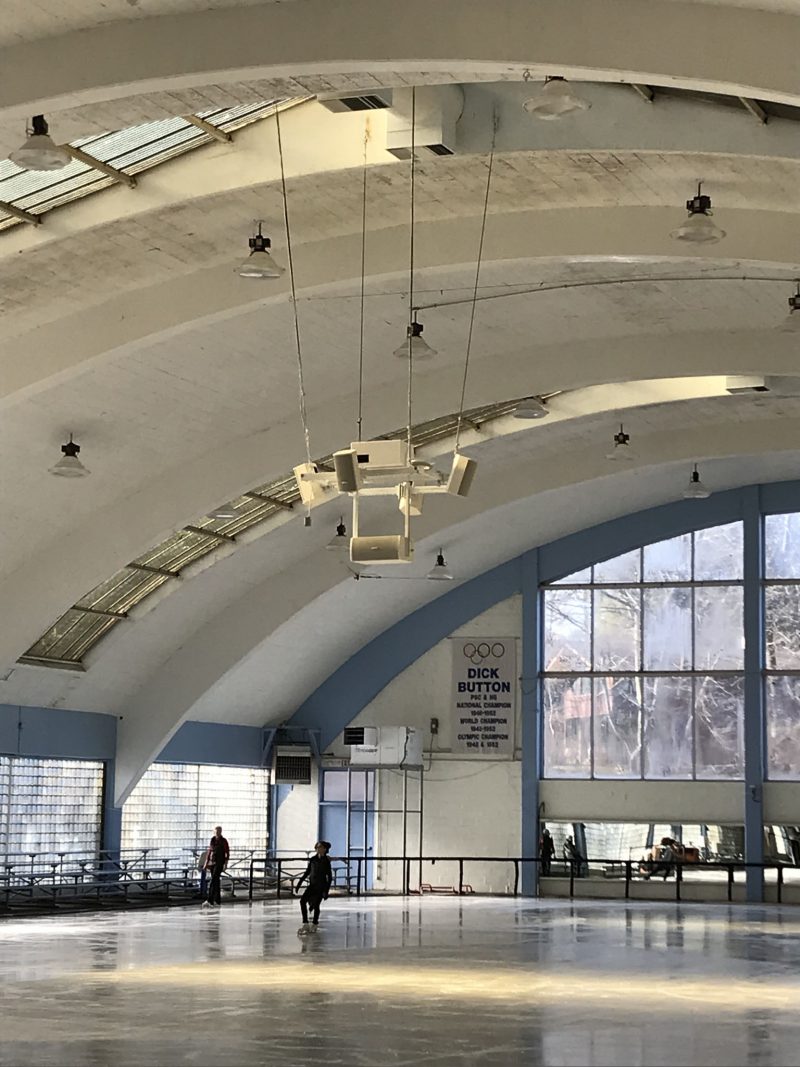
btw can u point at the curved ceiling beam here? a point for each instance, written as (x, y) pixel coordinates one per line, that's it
(713, 47)
(265, 613)
(45, 355)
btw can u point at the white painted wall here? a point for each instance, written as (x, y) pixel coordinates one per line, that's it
(714, 802)
(423, 692)
(471, 804)
(296, 823)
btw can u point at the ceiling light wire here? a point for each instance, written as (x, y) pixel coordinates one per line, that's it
(411, 312)
(300, 376)
(477, 283)
(363, 278)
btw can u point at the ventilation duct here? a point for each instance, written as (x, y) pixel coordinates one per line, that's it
(438, 109)
(378, 99)
(291, 765)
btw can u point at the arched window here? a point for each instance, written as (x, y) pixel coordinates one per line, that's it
(644, 660)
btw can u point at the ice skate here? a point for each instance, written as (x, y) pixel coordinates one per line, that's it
(304, 930)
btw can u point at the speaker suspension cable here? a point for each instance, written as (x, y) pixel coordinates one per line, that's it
(476, 286)
(363, 277)
(411, 312)
(299, 349)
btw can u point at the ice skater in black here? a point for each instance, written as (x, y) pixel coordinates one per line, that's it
(320, 876)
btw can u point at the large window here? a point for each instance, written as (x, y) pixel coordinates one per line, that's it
(49, 807)
(175, 807)
(644, 660)
(782, 644)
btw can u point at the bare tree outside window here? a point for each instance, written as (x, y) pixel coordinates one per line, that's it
(643, 662)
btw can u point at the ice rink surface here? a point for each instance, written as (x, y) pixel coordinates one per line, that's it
(445, 981)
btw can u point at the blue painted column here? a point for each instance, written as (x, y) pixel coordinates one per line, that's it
(531, 729)
(753, 692)
(111, 842)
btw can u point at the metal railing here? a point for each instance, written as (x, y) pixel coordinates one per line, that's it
(281, 873)
(40, 880)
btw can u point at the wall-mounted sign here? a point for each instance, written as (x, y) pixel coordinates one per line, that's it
(484, 695)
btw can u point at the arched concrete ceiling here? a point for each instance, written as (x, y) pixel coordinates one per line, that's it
(124, 322)
(69, 59)
(526, 495)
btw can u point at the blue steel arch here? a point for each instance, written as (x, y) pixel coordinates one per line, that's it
(342, 696)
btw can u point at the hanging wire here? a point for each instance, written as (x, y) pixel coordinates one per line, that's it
(411, 313)
(363, 276)
(475, 289)
(300, 376)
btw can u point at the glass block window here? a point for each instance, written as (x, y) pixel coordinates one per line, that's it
(644, 660)
(50, 806)
(175, 807)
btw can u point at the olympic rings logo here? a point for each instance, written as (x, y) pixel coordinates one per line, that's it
(478, 653)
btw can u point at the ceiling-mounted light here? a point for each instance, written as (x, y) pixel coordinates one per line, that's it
(420, 349)
(791, 324)
(554, 99)
(695, 490)
(440, 572)
(698, 228)
(622, 446)
(531, 408)
(340, 540)
(40, 152)
(224, 513)
(69, 466)
(259, 264)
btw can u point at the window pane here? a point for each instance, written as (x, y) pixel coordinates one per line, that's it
(719, 553)
(567, 727)
(782, 546)
(719, 726)
(783, 728)
(334, 786)
(782, 627)
(625, 568)
(617, 735)
(567, 625)
(719, 628)
(668, 728)
(667, 629)
(576, 578)
(669, 561)
(616, 629)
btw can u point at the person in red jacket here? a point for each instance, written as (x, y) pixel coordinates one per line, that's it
(217, 860)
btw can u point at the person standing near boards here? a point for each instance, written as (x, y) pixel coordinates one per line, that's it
(320, 876)
(547, 851)
(217, 860)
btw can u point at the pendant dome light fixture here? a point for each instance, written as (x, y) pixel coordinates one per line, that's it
(791, 324)
(695, 490)
(532, 407)
(440, 572)
(69, 466)
(554, 99)
(622, 447)
(340, 541)
(420, 349)
(259, 264)
(698, 228)
(40, 152)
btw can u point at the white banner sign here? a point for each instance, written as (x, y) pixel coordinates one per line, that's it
(484, 695)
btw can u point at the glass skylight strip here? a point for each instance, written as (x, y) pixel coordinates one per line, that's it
(132, 150)
(77, 631)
